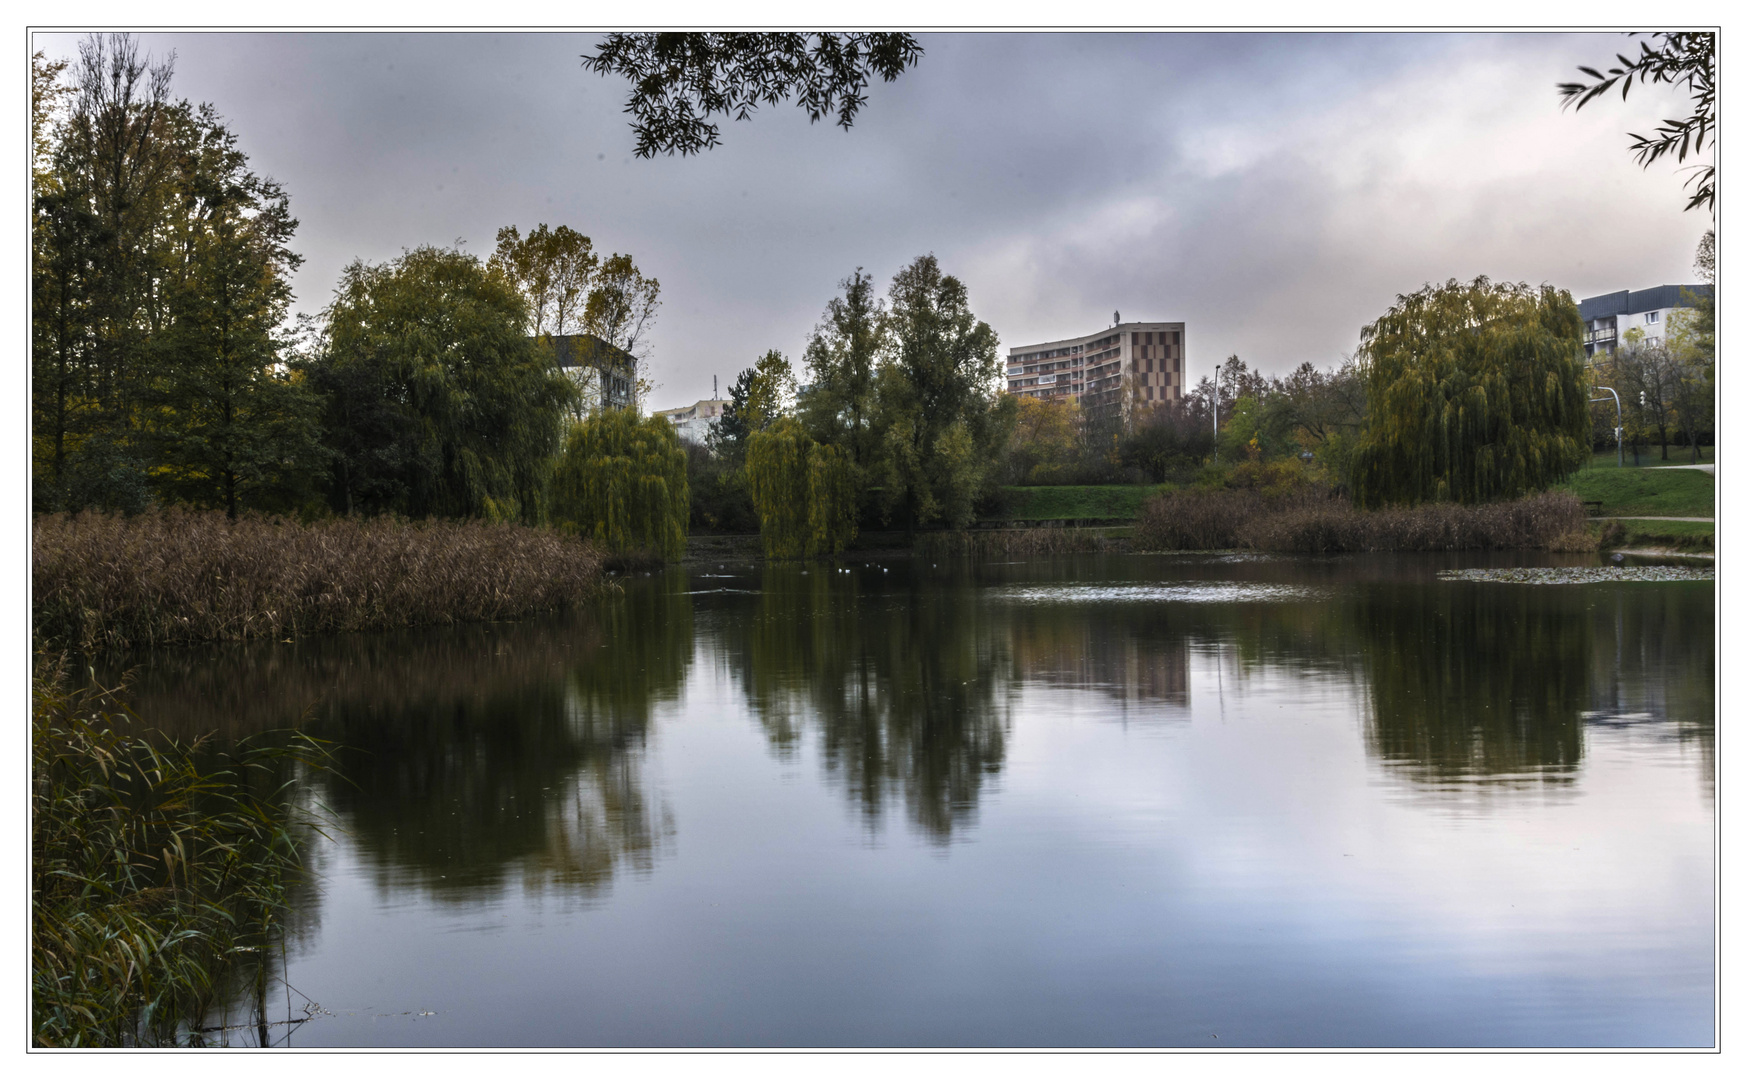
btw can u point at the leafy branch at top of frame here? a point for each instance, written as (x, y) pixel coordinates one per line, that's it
(680, 80)
(1679, 58)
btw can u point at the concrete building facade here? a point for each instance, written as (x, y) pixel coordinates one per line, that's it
(1606, 318)
(1114, 372)
(694, 423)
(598, 367)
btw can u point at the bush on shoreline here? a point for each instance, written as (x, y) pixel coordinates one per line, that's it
(1307, 522)
(105, 582)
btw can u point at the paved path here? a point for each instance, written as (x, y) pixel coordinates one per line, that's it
(1646, 517)
(1711, 469)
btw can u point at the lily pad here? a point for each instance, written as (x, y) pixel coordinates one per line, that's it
(1581, 575)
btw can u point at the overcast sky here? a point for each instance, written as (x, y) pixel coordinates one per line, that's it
(1273, 191)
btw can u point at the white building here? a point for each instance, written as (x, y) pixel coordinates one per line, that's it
(1606, 318)
(695, 422)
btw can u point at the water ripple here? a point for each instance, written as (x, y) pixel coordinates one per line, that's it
(1185, 592)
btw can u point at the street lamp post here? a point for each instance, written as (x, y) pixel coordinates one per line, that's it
(1619, 422)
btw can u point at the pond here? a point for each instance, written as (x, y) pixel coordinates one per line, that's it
(1176, 801)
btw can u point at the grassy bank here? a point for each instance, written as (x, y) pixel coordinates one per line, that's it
(1679, 535)
(1069, 503)
(158, 869)
(1204, 520)
(1654, 491)
(109, 582)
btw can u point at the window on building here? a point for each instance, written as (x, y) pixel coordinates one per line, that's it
(1654, 316)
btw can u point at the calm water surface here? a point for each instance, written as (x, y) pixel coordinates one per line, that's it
(1138, 800)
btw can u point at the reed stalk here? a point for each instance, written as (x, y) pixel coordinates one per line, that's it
(158, 867)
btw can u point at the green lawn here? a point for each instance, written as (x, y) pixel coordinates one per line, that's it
(1070, 502)
(1672, 492)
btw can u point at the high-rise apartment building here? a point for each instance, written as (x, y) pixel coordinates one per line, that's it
(1115, 372)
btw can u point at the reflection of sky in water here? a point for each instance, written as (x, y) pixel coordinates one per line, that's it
(937, 814)
(1192, 592)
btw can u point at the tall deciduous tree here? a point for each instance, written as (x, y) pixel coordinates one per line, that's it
(761, 395)
(940, 430)
(1476, 392)
(553, 269)
(98, 243)
(843, 358)
(1650, 375)
(620, 311)
(232, 427)
(48, 94)
(680, 80)
(439, 404)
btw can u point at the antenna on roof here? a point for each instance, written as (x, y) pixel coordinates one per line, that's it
(1116, 319)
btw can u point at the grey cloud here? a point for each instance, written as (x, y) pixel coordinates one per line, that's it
(1271, 189)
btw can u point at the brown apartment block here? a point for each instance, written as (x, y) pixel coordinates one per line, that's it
(1115, 372)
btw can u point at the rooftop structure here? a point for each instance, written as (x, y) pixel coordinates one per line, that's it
(1111, 373)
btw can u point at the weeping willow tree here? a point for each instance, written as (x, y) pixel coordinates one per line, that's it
(803, 492)
(620, 481)
(1477, 393)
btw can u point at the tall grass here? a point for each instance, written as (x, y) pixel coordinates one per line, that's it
(158, 867)
(1310, 522)
(177, 576)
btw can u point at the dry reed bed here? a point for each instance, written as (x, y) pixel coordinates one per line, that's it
(178, 576)
(1203, 520)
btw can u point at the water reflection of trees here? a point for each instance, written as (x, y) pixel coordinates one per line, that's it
(534, 778)
(1653, 664)
(907, 690)
(1469, 682)
(474, 755)
(1134, 654)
